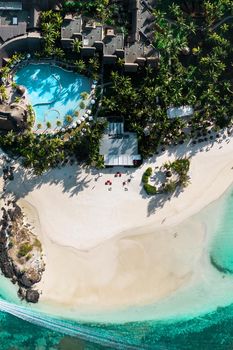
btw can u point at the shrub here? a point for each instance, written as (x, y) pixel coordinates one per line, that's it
(146, 175)
(69, 119)
(148, 171)
(28, 257)
(84, 95)
(37, 243)
(82, 105)
(151, 190)
(170, 187)
(181, 166)
(24, 249)
(145, 178)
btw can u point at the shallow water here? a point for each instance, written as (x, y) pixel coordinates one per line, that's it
(200, 316)
(52, 91)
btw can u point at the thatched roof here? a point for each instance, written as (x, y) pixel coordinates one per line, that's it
(13, 117)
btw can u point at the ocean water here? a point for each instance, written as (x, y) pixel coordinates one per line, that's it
(198, 317)
(52, 91)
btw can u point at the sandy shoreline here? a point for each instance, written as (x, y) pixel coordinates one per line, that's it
(106, 249)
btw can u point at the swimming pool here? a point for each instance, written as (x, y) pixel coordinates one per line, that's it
(53, 92)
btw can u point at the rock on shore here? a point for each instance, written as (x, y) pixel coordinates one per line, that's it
(20, 252)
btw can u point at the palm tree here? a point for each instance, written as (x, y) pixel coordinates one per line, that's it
(59, 53)
(69, 119)
(84, 95)
(48, 125)
(80, 66)
(77, 45)
(58, 123)
(39, 126)
(94, 63)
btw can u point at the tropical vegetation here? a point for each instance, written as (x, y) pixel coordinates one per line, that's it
(194, 69)
(51, 31)
(175, 175)
(44, 151)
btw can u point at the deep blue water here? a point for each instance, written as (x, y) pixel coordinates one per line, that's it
(213, 330)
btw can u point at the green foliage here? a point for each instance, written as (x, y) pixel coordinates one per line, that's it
(31, 116)
(58, 123)
(150, 190)
(82, 105)
(14, 85)
(3, 93)
(180, 166)
(17, 99)
(146, 175)
(80, 66)
(170, 186)
(24, 249)
(84, 95)
(193, 70)
(44, 151)
(148, 171)
(89, 7)
(28, 257)
(51, 30)
(37, 244)
(48, 125)
(69, 119)
(77, 45)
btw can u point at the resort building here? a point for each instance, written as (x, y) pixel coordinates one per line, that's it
(135, 50)
(19, 25)
(139, 47)
(92, 36)
(113, 46)
(118, 147)
(71, 30)
(180, 112)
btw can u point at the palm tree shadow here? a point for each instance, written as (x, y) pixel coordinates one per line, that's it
(156, 202)
(70, 178)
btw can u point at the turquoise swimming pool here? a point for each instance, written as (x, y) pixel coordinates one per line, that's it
(53, 92)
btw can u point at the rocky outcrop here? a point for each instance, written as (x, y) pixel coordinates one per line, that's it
(32, 296)
(20, 253)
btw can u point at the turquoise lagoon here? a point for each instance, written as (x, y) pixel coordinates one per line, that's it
(196, 317)
(52, 91)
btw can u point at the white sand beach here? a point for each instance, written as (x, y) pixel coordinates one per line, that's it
(106, 249)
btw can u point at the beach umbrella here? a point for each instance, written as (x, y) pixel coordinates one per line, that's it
(89, 111)
(82, 119)
(93, 86)
(90, 118)
(92, 102)
(95, 82)
(85, 115)
(63, 129)
(78, 122)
